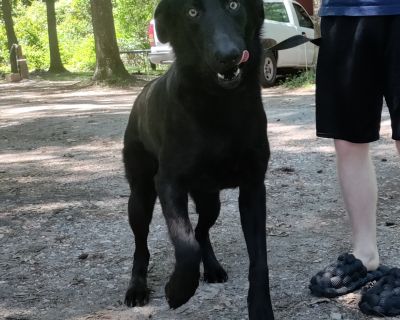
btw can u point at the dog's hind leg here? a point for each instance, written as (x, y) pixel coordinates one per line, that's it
(208, 206)
(140, 170)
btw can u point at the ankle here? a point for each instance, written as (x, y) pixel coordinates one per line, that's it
(370, 259)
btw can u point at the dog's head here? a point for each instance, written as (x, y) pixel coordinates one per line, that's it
(214, 40)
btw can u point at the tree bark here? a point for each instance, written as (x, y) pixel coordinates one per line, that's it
(317, 20)
(56, 65)
(108, 61)
(11, 36)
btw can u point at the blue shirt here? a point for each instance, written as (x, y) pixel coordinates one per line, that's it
(359, 7)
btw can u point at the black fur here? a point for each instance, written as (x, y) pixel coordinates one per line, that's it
(191, 133)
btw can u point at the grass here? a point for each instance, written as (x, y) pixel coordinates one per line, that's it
(67, 76)
(141, 74)
(299, 80)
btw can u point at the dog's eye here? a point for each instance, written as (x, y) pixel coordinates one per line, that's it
(193, 13)
(233, 5)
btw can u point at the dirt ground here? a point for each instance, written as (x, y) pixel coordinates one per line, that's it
(66, 247)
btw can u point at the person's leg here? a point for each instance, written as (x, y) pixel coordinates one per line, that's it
(392, 79)
(358, 184)
(382, 298)
(348, 110)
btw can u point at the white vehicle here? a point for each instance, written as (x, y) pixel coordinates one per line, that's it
(160, 53)
(283, 19)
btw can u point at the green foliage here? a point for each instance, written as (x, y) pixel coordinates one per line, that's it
(75, 35)
(31, 30)
(3, 49)
(132, 18)
(302, 79)
(75, 32)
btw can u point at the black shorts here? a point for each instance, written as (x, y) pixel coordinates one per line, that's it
(358, 66)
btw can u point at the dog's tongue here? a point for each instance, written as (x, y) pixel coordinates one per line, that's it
(245, 56)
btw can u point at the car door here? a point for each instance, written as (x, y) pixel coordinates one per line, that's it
(306, 28)
(279, 26)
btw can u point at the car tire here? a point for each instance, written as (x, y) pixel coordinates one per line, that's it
(268, 69)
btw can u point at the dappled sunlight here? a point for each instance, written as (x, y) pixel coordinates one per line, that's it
(282, 91)
(37, 110)
(79, 165)
(65, 241)
(15, 313)
(284, 137)
(55, 207)
(24, 109)
(44, 109)
(138, 313)
(285, 132)
(21, 157)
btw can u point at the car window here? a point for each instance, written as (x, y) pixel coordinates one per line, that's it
(275, 11)
(304, 19)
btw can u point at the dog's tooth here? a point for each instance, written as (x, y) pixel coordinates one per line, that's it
(237, 72)
(221, 76)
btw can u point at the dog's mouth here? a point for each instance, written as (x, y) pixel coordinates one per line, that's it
(230, 78)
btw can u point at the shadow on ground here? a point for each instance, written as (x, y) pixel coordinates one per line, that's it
(66, 247)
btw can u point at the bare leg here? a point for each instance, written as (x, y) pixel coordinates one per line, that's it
(398, 146)
(358, 184)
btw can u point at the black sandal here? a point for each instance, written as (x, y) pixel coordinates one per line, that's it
(382, 298)
(346, 275)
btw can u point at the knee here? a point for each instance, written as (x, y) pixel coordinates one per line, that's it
(345, 149)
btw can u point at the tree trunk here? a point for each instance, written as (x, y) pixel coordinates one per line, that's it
(317, 20)
(56, 65)
(11, 37)
(108, 61)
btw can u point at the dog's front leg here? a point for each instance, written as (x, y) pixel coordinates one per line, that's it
(252, 206)
(185, 279)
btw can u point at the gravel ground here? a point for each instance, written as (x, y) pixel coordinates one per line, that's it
(66, 247)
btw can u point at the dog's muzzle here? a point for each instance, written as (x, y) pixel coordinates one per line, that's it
(231, 78)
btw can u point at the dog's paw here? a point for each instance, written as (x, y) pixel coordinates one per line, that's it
(137, 295)
(261, 312)
(181, 287)
(259, 304)
(215, 274)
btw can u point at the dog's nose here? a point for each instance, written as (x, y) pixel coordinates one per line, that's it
(228, 57)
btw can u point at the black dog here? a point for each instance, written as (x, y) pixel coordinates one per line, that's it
(196, 130)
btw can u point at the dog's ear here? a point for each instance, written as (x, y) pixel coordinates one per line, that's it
(259, 6)
(161, 19)
(261, 10)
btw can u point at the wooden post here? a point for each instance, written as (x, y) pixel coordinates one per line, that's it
(14, 76)
(13, 58)
(22, 64)
(20, 60)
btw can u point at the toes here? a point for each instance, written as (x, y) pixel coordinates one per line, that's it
(216, 275)
(137, 296)
(181, 288)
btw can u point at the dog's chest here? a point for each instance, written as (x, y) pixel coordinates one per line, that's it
(221, 165)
